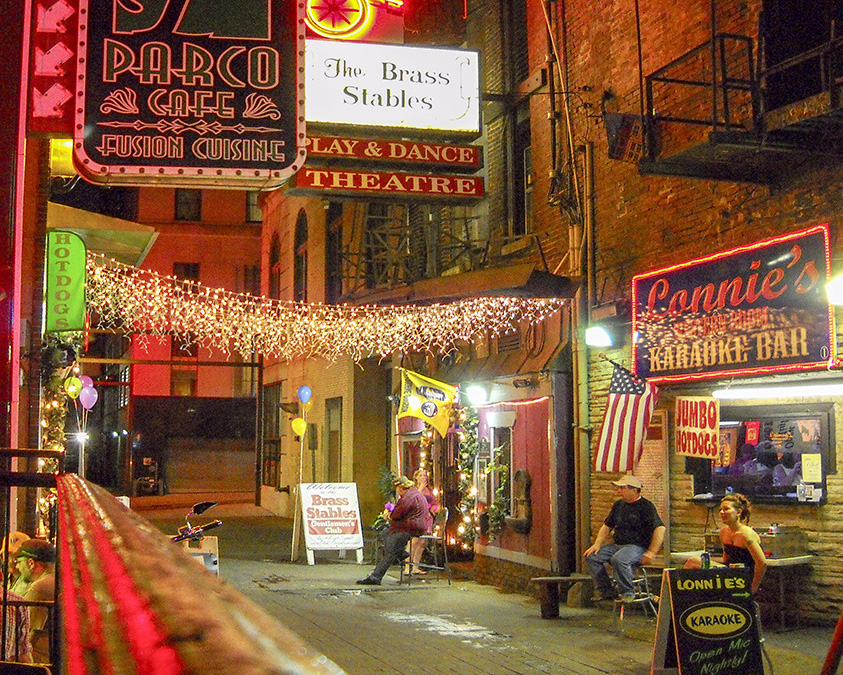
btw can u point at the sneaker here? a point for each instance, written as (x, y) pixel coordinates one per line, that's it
(627, 597)
(368, 581)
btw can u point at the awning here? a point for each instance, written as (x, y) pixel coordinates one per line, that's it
(523, 280)
(125, 241)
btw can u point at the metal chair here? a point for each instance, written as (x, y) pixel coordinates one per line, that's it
(644, 596)
(436, 545)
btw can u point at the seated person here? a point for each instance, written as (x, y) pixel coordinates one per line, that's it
(741, 544)
(638, 533)
(788, 471)
(746, 455)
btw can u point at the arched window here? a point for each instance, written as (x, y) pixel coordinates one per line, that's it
(300, 268)
(275, 268)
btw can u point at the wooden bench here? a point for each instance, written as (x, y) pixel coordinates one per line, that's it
(550, 589)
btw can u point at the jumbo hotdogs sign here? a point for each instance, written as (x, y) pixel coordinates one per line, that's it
(189, 93)
(761, 307)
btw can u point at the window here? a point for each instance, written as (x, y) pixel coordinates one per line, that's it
(183, 381)
(515, 35)
(522, 188)
(333, 253)
(768, 452)
(250, 279)
(186, 271)
(386, 244)
(188, 204)
(272, 420)
(300, 269)
(254, 213)
(501, 458)
(333, 433)
(275, 268)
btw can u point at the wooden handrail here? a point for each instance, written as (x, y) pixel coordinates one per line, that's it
(134, 602)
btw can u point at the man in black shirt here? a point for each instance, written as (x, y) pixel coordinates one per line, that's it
(637, 533)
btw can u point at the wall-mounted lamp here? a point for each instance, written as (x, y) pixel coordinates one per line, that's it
(477, 394)
(598, 336)
(834, 290)
(607, 323)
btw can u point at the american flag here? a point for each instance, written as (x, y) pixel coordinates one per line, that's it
(628, 410)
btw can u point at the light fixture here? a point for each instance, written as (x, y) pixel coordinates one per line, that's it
(778, 391)
(834, 290)
(597, 336)
(477, 394)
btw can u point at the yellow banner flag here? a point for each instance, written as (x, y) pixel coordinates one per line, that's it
(427, 399)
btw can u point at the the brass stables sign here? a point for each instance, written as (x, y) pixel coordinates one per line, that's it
(755, 308)
(192, 93)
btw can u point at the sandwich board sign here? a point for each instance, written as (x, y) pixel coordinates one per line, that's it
(707, 624)
(331, 518)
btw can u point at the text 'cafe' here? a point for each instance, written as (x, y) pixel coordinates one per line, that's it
(742, 347)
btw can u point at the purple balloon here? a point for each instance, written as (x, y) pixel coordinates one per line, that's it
(88, 397)
(86, 381)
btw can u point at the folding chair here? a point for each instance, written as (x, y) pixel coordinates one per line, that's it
(436, 545)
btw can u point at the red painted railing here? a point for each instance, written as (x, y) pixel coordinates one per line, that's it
(133, 602)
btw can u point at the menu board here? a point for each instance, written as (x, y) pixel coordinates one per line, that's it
(707, 624)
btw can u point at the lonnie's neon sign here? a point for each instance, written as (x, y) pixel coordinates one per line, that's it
(760, 307)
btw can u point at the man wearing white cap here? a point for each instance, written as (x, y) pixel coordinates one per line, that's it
(637, 534)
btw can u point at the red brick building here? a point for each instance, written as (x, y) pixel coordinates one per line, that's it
(738, 144)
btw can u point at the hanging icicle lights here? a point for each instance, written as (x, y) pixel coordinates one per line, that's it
(136, 300)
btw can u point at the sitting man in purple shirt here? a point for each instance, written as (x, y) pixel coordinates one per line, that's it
(407, 520)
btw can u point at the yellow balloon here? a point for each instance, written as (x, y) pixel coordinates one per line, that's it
(299, 426)
(308, 405)
(73, 385)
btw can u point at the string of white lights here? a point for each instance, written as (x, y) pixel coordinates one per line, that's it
(133, 300)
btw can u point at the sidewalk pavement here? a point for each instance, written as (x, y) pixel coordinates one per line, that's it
(432, 627)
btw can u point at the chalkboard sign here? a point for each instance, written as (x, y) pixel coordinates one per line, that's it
(707, 624)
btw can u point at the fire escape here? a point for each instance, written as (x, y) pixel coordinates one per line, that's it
(728, 111)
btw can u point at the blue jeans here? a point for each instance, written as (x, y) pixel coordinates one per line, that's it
(623, 559)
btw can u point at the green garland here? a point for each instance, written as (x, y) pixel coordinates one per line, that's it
(468, 449)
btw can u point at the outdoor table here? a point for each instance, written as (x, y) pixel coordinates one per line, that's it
(787, 570)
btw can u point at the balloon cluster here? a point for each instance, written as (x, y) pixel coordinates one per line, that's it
(299, 425)
(82, 388)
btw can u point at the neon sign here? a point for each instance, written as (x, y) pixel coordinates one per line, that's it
(188, 94)
(759, 308)
(348, 19)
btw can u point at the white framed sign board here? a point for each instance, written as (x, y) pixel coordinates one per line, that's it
(331, 518)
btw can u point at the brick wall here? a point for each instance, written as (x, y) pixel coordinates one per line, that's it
(644, 222)
(507, 575)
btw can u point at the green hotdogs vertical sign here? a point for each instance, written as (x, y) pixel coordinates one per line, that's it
(65, 281)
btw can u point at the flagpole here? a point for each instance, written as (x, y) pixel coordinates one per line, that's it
(614, 363)
(397, 430)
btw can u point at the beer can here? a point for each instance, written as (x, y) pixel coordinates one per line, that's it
(706, 560)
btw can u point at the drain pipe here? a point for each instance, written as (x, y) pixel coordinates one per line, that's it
(580, 315)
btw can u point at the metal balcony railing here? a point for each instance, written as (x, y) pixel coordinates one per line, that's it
(713, 86)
